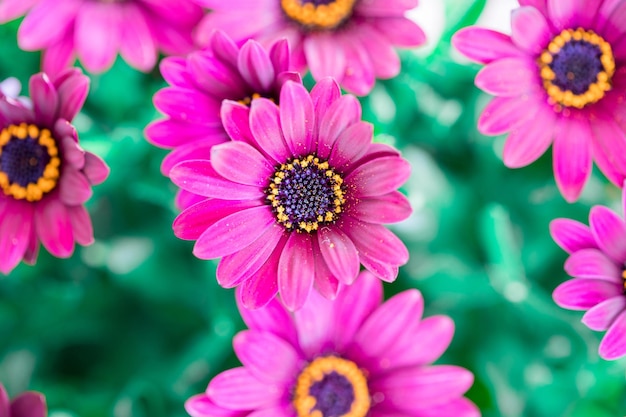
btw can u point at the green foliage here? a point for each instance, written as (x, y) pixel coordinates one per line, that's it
(134, 325)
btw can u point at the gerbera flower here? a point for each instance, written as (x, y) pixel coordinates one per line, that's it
(298, 196)
(199, 85)
(27, 404)
(95, 31)
(597, 262)
(352, 357)
(350, 40)
(45, 176)
(559, 78)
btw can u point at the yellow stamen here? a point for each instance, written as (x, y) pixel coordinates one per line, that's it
(322, 17)
(304, 403)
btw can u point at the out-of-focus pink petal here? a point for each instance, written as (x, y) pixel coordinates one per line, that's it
(29, 404)
(571, 235)
(72, 95)
(400, 31)
(45, 99)
(508, 77)
(97, 34)
(266, 356)
(46, 23)
(530, 30)
(15, 230)
(255, 66)
(504, 114)
(484, 45)
(201, 406)
(323, 56)
(583, 293)
(376, 8)
(237, 389)
(359, 77)
(54, 226)
(530, 140)
(60, 55)
(563, 14)
(136, 44)
(81, 225)
(95, 169)
(592, 263)
(602, 315)
(609, 231)
(613, 345)
(12, 9)
(74, 189)
(315, 324)
(272, 318)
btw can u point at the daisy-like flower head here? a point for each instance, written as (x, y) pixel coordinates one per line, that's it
(206, 78)
(95, 31)
(45, 176)
(559, 79)
(297, 197)
(27, 404)
(350, 40)
(597, 262)
(353, 357)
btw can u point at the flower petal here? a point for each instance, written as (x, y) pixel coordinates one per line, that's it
(241, 163)
(193, 221)
(29, 404)
(296, 271)
(323, 56)
(572, 156)
(237, 389)
(592, 263)
(81, 225)
(315, 324)
(504, 114)
(388, 208)
(563, 14)
(74, 189)
(201, 406)
(609, 231)
(530, 30)
(530, 140)
(137, 44)
(339, 253)
(602, 315)
(571, 235)
(15, 231)
(508, 77)
(272, 318)
(54, 227)
(583, 293)
(235, 118)
(256, 67)
(484, 45)
(376, 241)
(613, 344)
(297, 118)
(378, 177)
(262, 288)
(97, 35)
(351, 144)
(45, 99)
(265, 126)
(342, 113)
(38, 30)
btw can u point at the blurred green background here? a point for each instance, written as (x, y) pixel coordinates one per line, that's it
(134, 325)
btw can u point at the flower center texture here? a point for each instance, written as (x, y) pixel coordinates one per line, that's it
(306, 193)
(331, 387)
(29, 162)
(318, 14)
(576, 68)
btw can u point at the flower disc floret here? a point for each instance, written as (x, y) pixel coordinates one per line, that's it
(318, 14)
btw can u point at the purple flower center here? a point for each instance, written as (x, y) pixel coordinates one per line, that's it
(29, 162)
(576, 68)
(305, 193)
(331, 387)
(316, 15)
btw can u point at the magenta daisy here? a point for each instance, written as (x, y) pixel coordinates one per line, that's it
(297, 197)
(206, 78)
(27, 404)
(350, 40)
(95, 31)
(353, 357)
(597, 262)
(45, 176)
(560, 79)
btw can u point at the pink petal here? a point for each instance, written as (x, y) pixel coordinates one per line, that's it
(537, 4)
(265, 126)
(296, 271)
(72, 95)
(400, 31)
(508, 77)
(339, 253)
(323, 95)
(81, 225)
(15, 230)
(613, 345)
(279, 55)
(169, 133)
(571, 235)
(201, 406)
(136, 44)
(351, 145)
(12, 9)
(592, 263)
(188, 105)
(382, 54)
(609, 146)
(60, 55)
(224, 48)
(342, 114)
(609, 231)
(174, 71)
(378, 177)
(272, 318)
(563, 13)
(297, 118)
(572, 156)
(73, 154)
(234, 232)
(530, 140)
(4, 402)
(262, 288)
(530, 30)
(325, 282)
(95, 169)
(194, 220)
(216, 77)
(29, 404)
(97, 35)
(388, 208)
(381, 8)
(54, 227)
(267, 357)
(45, 99)
(583, 293)
(504, 114)
(384, 271)
(484, 45)
(235, 118)
(354, 304)
(359, 76)
(315, 325)
(425, 386)
(241, 163)
(46, 23)
(74, 189)
(256, 67)
(323, 56)
(459, 407)
(376, 241)
(282, 410)
(601, 316)
(237, 389)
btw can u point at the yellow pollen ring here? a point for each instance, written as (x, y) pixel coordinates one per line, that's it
(624, 279)
(33, 191)
(247, 100)
(321, 17)
(596, 90)
(274, 189)
(304, 403)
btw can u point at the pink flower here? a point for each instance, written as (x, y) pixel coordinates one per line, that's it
(350, 40)
(27, 404)
(354, 356)
(297, 197)
(45, 176)
(95, 31)
(206, 78)
(597, 262)
(559, 79)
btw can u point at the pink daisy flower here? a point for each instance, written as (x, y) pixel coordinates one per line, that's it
(45, 176)
(206, 78)
(27, 404)
(297, 197)
(350, 40)
(597, 262)
(95, 31)
(353, 357)
(559, 79)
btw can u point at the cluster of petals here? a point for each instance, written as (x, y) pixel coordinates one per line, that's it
(237, 224)
(594, 129)
(95, 31)
(597, 261)
(200, 83)
(26, 404)
(356, 51)
(390, 343)
(57, 219)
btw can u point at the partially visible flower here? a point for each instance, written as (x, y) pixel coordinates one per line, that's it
(45, 176)
(352, 357)
(200, 83)
(597, 262)
(95, 31)
(350, 40)
(299, 196)
(27, 404)
(560, 79)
